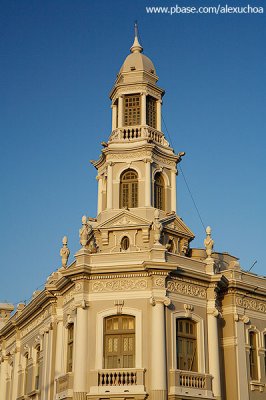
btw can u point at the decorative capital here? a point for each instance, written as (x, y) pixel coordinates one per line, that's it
(160, 300)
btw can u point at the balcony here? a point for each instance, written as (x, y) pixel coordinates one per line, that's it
(133, 133)
(188, 383)
(64, 386)
(118, 381)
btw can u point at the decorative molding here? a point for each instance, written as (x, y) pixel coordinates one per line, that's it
(164, 160)
(187, 289)
(119, 285)
(35, 323)
(251, 304)
(119, 305)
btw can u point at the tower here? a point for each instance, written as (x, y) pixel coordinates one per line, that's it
(137, 167)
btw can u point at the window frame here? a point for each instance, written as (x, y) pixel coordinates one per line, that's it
(70, 348)
(187, 338)
(130, 185)
(159, 191)
(201, 338)
(132, 112)
(253, 350)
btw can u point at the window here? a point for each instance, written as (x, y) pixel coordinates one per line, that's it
(264, 336)
(253, 359)
(129, 189)
(159, 191)
(26, 373)
(186, 345)
(151, 112)
(119, 341)
(37, 374)
(125, 243)
(132, 110)
(70, 340)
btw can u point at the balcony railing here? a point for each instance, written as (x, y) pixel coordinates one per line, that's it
(118, 381)
(131, 133)
(188, 382)
(64, 385)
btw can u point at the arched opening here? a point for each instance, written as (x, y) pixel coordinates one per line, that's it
(125, 243)
(129, 189)
(159, 192)
(119, 341)
(186, 345)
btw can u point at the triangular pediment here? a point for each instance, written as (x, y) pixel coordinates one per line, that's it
(124, 219)
(176, 224)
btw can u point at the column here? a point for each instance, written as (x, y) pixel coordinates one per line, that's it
(3, 376)
(159, 115)
(158, 350)
(173, 190)
(100, 196)
(114, 116)
(213, 347)
(120, 112)
(15, 372)
(147, 183)
(241, 359)
(110, 185)
(81, 353)
(45, 371)
(143, 109)
(59, 367)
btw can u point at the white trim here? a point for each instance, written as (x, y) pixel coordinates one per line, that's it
(99, 334)
(200, 338)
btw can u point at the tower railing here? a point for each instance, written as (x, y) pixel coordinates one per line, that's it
(137, 132)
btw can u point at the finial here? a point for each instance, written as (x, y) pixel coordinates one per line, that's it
(64, 252)
(136, 47)
(157, 226)
(208, 242)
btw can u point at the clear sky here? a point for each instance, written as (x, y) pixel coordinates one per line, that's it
(59, 60)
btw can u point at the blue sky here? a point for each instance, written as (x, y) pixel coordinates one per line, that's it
(59, 60)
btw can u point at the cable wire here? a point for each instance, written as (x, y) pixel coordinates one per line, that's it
(185, 180)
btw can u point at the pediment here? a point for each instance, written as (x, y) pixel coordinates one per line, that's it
(176, 224)
(124, 219)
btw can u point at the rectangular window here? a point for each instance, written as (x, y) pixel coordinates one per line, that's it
(151, 112)
(70, 341)
(186, 345)
(132, 110)
(253, 360)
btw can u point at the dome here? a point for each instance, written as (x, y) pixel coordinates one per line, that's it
(136, 61)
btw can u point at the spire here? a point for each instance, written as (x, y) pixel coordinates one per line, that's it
(136, 47)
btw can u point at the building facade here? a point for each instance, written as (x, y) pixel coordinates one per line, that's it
(139, 313)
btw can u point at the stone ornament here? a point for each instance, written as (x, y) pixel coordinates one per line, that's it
(84, 231)
(157, 226)
(208, 242)
(64, 252)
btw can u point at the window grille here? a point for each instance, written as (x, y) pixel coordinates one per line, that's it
(129, 189)
(186, 345)
(132, 110)
(159, 192)
(151, 112)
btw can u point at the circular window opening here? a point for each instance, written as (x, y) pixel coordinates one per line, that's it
(125, 243)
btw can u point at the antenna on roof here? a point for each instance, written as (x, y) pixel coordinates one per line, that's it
(255, 262)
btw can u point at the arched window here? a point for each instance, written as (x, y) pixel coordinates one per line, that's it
(159, 192)
(70, 340)
(186, 345)
(125, 243)
(253, 357)
(129, 189)
(119, 341)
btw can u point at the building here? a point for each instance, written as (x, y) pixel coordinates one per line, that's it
(139, 313)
